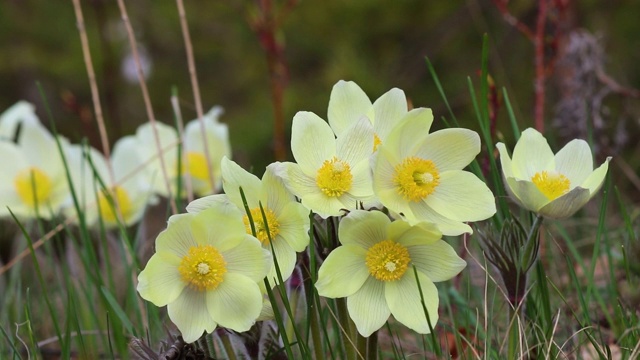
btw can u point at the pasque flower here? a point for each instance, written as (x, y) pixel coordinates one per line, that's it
(555, 186)
(373, 269)
(287, 225)
(206, 272)
(419, 175)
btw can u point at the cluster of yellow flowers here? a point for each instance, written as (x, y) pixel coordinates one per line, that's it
(36, 177)
(369, 157)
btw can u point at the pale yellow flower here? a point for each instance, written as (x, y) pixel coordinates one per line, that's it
(555, 186)
(19, 112)
(206, 270)
(419, 175)
(373, 269)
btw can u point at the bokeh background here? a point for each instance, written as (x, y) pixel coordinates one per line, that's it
(593, 46)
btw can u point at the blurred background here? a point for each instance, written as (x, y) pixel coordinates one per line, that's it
(246, 49)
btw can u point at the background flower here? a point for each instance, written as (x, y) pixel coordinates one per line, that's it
(555, 186)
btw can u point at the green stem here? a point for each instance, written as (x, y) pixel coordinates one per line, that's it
(372, 346)
(361, 342)
(228, 347)
(345, 323)
(315, 333)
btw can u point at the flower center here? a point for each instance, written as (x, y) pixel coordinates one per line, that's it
(334, 177)
(196, 164)
(203, 268)
(119, 196)
(552, 184)
(376, 142)
(261, 227)
(387, 260)
(416, 178)
(33, 185)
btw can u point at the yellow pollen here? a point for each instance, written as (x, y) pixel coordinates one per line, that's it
(203, 268)
(121, 198)
(33, 184)
(196, 164)
(376, 142)
(387, 260)
(334, 177)
(261, 228)
(551, 184)
(416, 178)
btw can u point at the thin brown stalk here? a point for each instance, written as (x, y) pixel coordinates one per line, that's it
(147, 100)
(178, 114)
(196, 88)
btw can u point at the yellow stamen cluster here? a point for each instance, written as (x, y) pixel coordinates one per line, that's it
(33, 184)
(416, 178)
(203, 268)
(376, 142)
(387, 260)
(119, 197)
(334, 178)
(196, 165)
(261, 227)
(551, 184)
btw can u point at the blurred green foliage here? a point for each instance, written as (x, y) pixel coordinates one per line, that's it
(379, 44)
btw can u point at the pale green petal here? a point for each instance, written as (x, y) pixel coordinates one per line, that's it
(347, 104)
(312, 141)
(575, 161)
(248, 258)
(505, 160)
(362, 185)
(389, 109)
(410, 132)
(235, 303)
(206, 202)
(190, 314)
(567, 204)
(160, 281)
(462, 196)
(368, 308)
(22, 111)
(274, 189)
(234, 177)
(527, 194)
(13, 161)
(356, 143)
(363, 228)
(403, 298)
(531, 155)
(343, 272)
(35, 140)
(438, 260)
(325, 206)
(177, 237)
(125, 160)
(219, 226)
(420, 211)
(299, 183)
(422, 233)
(450, 149)
(294, 226)
(286, 257)
(383, 185)
(595, 180)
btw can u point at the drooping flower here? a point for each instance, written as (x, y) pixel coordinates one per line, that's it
(348, 103)
(330, 174)
(206, 272)
(373, 269)
(33, 175)
(419, 175)
(287, 220)
(555, 186)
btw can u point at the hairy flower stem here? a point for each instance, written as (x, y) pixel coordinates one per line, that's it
(346, 329)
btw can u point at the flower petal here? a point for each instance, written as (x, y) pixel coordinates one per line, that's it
(389, 109)
(422, 233)
(189, 313)
(383, 185)
(420, 211)
(409, 133)
(403, 298)
(356, 143)
(567, 204)
(527, 194)
(274, 189)
(286, 257)
(235, 303)
(160, 281)
(343, 272)
(177, 238)
(234, 177)
(294, 226)
(347, 104)
(595, 180)
(575, 161)
(450, 149)
(362, 184)
(531, 155)
(219, 226)
(363, 228)
(248, 258)
(325, 206)
(462, 196)
(368, 308)
(207, 202)
(505, 160)
(312, 141)
(438, 261)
